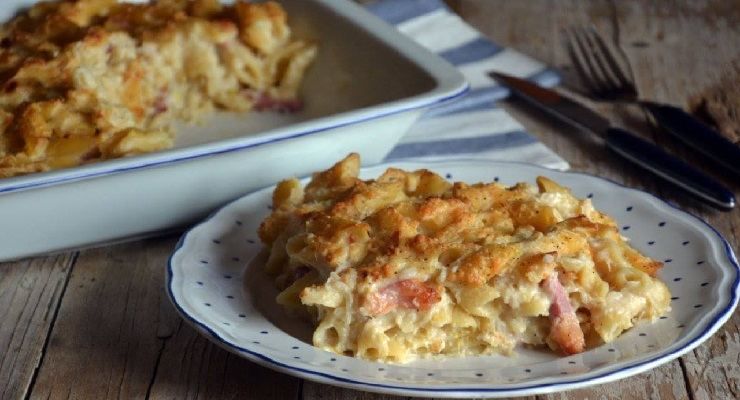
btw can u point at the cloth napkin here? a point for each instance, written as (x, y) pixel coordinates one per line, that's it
(471, 126)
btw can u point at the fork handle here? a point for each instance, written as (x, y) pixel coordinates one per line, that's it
(667, 166)
(697, 135)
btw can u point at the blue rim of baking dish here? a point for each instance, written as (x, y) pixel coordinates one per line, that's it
(629, 370)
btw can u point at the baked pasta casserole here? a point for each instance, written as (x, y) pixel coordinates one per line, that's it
(410, 265)
(87, 80)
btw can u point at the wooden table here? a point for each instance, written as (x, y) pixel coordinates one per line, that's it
(97, 323)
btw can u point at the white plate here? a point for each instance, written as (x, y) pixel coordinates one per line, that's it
(206, 282)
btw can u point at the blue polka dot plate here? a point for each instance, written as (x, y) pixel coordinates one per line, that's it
(215, 280)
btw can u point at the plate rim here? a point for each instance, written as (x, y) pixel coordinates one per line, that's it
(503, 390)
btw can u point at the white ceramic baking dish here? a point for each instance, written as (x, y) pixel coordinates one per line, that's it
(367, 86)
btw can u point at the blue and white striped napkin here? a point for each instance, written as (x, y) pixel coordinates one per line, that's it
(471, 126)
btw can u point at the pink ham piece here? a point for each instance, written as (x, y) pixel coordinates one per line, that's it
(408, 293)
(160, 102)
(564, 327)
(267, 103)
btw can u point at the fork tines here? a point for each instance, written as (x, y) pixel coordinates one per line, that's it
(596, 65)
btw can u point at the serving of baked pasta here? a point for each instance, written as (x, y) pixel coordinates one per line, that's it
(409, 266)
(88, 80)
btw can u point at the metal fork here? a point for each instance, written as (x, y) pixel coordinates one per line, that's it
(598, 68)
(606, 80)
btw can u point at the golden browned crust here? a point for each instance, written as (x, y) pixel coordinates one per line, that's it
(467, 262)
(87, 80)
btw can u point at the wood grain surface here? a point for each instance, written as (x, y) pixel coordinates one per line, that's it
(97, 324)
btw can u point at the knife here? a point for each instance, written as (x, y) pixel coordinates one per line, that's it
(625, 144)
(696, 134)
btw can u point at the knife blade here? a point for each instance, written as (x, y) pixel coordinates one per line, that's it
(625, 144)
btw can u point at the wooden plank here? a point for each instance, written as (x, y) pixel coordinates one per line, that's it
(191, 367)
(713, 369)
(117, 336)
(29, 293)
(111, 324)
(665, 382)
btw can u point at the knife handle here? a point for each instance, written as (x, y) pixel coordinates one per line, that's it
(696, 134)
(669, 167)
